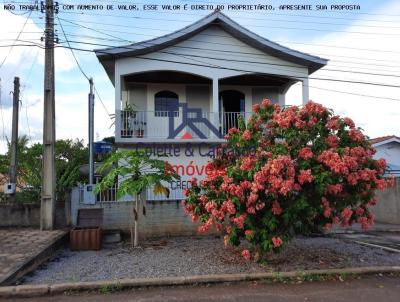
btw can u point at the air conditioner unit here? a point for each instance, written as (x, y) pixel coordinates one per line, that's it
(88, 195)
(9, 188)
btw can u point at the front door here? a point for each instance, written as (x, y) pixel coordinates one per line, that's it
(232, 105)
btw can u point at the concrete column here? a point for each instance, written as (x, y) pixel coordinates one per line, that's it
(117, 106)
(306, 96)
(281, 98)
(215, 103)
(215, 96)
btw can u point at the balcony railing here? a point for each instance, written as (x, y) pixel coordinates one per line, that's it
(147, 125)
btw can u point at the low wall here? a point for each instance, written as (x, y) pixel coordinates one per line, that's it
(387, 209)
(28, 215)
(167, 218)
(163, 218)
(19, 215)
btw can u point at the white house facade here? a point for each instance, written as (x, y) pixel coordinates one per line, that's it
(388, 147)
(182, 92)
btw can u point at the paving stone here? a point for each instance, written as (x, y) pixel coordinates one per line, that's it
(20, 245)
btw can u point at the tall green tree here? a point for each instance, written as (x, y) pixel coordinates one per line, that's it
(69, 156)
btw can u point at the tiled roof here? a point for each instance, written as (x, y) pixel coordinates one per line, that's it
(381, 139)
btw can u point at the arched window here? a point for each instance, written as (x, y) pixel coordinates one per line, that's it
(166, 103)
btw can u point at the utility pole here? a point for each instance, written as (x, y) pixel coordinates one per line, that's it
(47, 209)
(91, 132)
(14, 140)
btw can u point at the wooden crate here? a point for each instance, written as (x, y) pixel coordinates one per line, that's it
(87, 235)
(85, 239)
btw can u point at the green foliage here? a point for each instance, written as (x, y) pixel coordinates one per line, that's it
(69, 156)
(136, 170)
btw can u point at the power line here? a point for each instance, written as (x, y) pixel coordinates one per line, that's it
(248, 71)
(283, 20)
(347, 62)
(102, 103)
(230, 51)
(358, 82)
(19, 34)
(353, 93)
(277, 27)
(80, 68)
(265, 13)
(226, 44)
(332, 63)
(217, 35)
(72, 52)
(251, 62)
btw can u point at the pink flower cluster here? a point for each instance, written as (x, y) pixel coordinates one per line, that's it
(309, 166)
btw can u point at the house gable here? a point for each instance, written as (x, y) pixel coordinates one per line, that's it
(217, 19)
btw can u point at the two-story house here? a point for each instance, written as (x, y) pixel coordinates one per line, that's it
(190, 87)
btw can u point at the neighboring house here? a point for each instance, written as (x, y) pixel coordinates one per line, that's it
(388, 147)
(192, 85)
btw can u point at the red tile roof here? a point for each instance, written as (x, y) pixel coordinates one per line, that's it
(382, 139)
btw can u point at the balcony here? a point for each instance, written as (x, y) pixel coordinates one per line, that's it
(191, 125)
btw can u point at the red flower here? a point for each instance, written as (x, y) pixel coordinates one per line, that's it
(333, 123)
(276, 208)
(334, 189)
(277, 241)
(349, 122)
(260, 206)
(305, 176)
(356, 135)
(359, 211)
(332, 141)
(239, 221)
(246, 254)
(251, 210)
(246, 135)
(256, 108)
(266, 103)
(306, 153)
(233, 131)
(247, 163)
(248, 233)
(346, 214)
(327, 212)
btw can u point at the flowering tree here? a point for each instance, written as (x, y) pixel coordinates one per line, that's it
(288, 171)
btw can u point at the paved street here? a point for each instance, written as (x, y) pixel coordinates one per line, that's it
(389, 239)
(18, 246)
(369, 289)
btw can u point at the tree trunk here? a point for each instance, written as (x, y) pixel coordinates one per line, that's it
(136, 223)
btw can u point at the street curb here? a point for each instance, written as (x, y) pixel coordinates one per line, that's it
(51, 289)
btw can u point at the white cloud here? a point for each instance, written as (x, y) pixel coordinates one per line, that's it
(10, 26)
(377, 116)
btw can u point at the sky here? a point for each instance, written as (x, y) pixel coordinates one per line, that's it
(359, 42)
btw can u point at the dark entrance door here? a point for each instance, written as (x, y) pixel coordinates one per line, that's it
(232, 103)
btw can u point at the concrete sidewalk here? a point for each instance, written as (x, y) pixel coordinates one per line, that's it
(23, 250)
